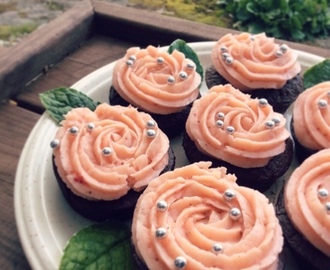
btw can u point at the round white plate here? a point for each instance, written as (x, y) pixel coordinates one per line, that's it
(45, 222)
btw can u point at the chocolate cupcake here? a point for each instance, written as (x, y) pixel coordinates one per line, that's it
(196, 217)
(258, 66)
(104, 159)
(310, 126)
(303, 209)
(159, 83)
(242, 134)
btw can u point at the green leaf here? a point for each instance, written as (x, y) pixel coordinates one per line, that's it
(317, 74)
(99, 246)
(181, 46)
(60, 101)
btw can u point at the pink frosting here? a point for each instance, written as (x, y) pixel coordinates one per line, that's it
(254, 62)
(141, 77)
(135, 157)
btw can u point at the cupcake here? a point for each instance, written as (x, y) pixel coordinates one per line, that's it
(161, 84)
(304, 211)
(104, 159)
(243, 134)
(197, 217)
(258, 66)
(310, 124)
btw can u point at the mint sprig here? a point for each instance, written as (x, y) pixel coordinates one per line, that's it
(317, 74)
(181, 46)
(99, 246)
(60, 101)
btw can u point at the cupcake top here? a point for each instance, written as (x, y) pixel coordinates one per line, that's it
(196, 217)
(156, 81)
(311, 117)
(254, 61)
(229, 125)
(307, 199)
(101, 155)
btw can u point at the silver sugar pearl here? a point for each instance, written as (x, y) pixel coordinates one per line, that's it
(322, 103)
(107, 151)
(263, 102)
(73, 130)
(235, 213)
(132, 58)
(230, 130)
(229, 194)
(162, 205)
(284, 48)
(327, 207)
(276, 121)
(170, 80)
(217, 248)
(225, 55)
(151, 133)
(223, 49)
(160, 232)
(129, 63)
(229, 60)
(221, 115)
(183, 75)
(252, 37)
(270, 124)
(191, 65)
(278, 53)
(90, 126)
(180, 262)
(54, 143)
(323, 193)
(160, 60)
(151, 124)
(219, 123)
(328, 94)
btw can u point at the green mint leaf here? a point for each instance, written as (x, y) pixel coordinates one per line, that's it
(60, 101)
(99, 246)
(317, 74)
(181, 46)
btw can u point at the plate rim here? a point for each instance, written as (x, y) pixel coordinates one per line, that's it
(33, 255)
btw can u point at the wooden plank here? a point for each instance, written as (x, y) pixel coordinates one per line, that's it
(148, 27)
(43, 48)
(95, 53)
(16, 124)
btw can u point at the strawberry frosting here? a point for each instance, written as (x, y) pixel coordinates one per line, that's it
(229, 125)
(156, 81)
(254, 61)
(101, 155)
(311, 117)
(196, 217)
(307, 199)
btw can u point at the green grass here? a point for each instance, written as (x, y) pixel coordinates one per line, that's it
(9, 31)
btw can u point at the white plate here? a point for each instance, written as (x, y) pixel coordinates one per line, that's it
(45, 222)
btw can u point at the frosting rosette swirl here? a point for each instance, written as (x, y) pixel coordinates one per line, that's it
(311, 117)
(254, 61)
(231, 126)
(307, 199)
(101, 155)
(197, 217)
(156, 81)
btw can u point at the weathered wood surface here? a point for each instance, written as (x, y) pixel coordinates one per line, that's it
(84, 39)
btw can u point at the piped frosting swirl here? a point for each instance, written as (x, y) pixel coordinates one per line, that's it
(307, 199)
(101, 155)
(311, 117)
(229, 125)
(196, 217)
(254, 61)
(156, 81)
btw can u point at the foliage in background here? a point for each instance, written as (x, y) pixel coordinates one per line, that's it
(295, 20)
